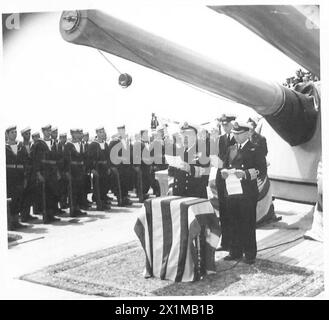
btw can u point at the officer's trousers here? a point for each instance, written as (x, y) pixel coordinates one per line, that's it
(243, 220)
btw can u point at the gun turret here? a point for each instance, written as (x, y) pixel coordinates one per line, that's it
(292, 114)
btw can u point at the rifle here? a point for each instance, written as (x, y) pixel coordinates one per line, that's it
(140, 193)
(97, 187)
(119, 192)
(44, 208)
(70, 187)
(43, 194)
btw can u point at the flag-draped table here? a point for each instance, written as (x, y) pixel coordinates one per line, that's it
(179, 236)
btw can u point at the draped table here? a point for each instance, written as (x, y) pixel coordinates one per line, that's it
(179, 236)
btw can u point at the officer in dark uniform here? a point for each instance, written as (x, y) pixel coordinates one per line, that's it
(190, 179)
(157, 150)
(63, 182)
(225, 141)
(121, 160)
(99, 164)
(74, 167)
(46, 173)
(257, 139)
(27, 200)
(145, 166)
(227, 138)
(16, 162)
(154, 121)
(245, 162)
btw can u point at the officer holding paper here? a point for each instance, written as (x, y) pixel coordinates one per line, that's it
(242, 165)
(190, 174)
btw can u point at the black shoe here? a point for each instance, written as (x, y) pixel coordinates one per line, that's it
(81, 213)
(249, 261)
(16, 225)
(221, 248)
(231, 258)
(60, 212)
(28, 218)
(49, 220)
(78, 213)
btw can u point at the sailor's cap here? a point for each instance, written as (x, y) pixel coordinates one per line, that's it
(34, 134)
(46, 127)
(53, 129)
(13, 127)
(99, 128)
(25, 130)
(121, 126)
(76, 130)
(62, 135)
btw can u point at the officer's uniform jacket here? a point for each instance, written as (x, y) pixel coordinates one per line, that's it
(251, 160)
(223, 144)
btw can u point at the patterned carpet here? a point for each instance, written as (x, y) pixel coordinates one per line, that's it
(118, 271)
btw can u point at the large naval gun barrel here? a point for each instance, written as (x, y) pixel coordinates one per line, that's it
(292, 114)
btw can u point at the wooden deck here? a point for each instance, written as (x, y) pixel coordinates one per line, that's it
(296, 220)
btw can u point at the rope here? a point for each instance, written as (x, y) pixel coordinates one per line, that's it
(100, 52)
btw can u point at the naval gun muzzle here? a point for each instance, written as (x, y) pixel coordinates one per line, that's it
(292, 114)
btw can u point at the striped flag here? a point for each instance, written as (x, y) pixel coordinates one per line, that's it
(168, 229)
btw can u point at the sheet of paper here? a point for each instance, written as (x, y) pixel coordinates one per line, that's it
(233, 184)
(216, 162)
(174, 161)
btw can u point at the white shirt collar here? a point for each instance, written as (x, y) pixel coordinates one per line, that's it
(243, 144)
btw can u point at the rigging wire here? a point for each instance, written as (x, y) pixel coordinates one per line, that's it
(100, 52)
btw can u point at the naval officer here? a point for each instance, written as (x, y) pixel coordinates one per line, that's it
(245, 162)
